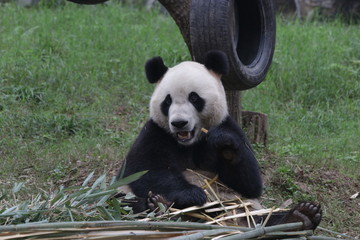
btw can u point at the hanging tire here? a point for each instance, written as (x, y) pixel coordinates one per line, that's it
(244, 30)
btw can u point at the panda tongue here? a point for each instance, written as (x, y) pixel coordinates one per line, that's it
(184, 135)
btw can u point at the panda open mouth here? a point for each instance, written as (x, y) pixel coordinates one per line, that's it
(185, 136)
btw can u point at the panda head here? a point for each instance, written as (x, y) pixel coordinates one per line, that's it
(188, 96)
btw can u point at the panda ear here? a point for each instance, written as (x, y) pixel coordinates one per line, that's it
(217, 61)
(155, 69)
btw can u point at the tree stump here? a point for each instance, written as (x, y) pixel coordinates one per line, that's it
(255, 126)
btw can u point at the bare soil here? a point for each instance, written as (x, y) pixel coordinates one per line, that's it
(337, 193)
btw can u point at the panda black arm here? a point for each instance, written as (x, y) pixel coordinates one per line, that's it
(236, 163)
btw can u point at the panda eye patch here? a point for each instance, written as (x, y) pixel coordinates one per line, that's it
(193, 97)
(197, 101)
(167, 100)
(165, 105)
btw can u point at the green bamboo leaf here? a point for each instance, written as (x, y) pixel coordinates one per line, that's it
(60, 201)
(105, 212)
(98, 181)
(127, 180)
(86, 181)
(17, 187)
(122, 169)
(8, 210)
(100, 194)
(72, 188)
(70, 214)
(59, 195)
(114, 203)
(162, 207)
(113, 179)
(78, 194)
(103, 200)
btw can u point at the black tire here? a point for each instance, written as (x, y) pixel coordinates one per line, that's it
(243, 29)
(88, 1)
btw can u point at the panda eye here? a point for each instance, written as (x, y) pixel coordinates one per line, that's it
(193, 97)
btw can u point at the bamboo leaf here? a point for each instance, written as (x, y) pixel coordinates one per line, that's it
(8, 210)
(86, 181)
(57, 197)
(122, 169)
(103, 200)
(127, 180)
(105, 212)
(100, 194)
(98, 181)
(17, 187)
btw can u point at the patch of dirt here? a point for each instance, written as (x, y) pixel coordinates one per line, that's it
(336, 192)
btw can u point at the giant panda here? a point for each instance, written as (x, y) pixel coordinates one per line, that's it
(187, 98)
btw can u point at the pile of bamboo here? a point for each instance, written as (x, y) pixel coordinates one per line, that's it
(220, 218)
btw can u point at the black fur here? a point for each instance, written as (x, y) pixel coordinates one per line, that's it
(197, 101)
(165, 105)
(157, 151)
(217, 61)
(227, 152)
(155, 69)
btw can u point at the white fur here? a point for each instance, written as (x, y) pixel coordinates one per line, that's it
(181, 80)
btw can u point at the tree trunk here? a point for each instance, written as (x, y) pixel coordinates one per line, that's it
(180, 12)
(233, 98)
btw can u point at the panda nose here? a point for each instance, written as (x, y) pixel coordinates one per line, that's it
(179, 124)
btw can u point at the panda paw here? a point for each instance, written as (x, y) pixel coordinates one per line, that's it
(306, 212)
(154, 201)
(227, 144)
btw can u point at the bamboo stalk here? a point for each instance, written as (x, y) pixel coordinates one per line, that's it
(201, 235)
(268, 216)
(199, 216)
(126, 225)
(324, 238)
(190, 209)
(241, 205)
(336, 233)
(239, 215)
(297, 233)
(263, 230)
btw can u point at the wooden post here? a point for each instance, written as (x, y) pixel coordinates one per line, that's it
(233, 98)
(180, 12)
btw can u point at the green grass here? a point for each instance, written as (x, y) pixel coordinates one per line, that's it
(73, 97)
(72, 86)
(312, 94)
(73, 91)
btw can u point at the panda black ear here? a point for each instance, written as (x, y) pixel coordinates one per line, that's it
(155, 69)
(217, 61)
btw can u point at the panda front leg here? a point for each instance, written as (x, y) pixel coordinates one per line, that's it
(167, 186)
(236, 163)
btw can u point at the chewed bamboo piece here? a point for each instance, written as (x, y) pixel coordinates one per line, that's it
(204, 130)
